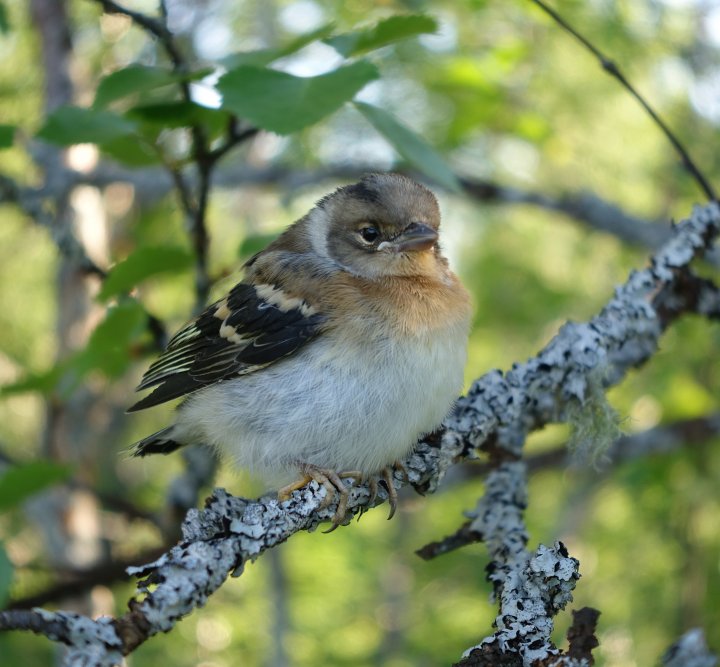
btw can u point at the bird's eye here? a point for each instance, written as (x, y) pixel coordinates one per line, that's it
(369, 234)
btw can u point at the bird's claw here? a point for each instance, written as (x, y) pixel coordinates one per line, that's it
(386, 474)
(334, 488)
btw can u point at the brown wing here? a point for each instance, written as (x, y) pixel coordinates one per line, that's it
(252, 327)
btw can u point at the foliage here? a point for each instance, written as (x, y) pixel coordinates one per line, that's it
(480, 89)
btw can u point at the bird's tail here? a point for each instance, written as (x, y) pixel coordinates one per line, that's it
(161, 442)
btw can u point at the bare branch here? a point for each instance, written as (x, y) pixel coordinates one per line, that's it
(584, 207)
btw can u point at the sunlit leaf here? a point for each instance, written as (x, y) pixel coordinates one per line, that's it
(7, 135)
(411, 146)
(76, 125)
(262, 57)
(284, 103)
(137, 79)
(143, 263)
(6, 576)
(382, 33)
(21, 481)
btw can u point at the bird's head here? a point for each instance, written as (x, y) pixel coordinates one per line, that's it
(384, 225)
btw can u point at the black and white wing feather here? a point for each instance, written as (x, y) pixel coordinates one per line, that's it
(252, 327)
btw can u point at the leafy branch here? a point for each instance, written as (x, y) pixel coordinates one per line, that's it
(194, 205)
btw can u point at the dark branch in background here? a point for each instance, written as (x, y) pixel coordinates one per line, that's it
(83, 581)
(194, 194)
(36, 205)
(155, 27)
(494, 416)
(194, 204)
(584, 207)
(611, 68)
(587, 208)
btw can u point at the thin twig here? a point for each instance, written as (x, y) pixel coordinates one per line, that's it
(612, 68)
(234, 138)
(153, 26)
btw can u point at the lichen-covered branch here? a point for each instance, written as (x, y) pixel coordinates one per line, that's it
(495, 415)
(546, 389)
(690, 650)
(654, 441)
(531, 588)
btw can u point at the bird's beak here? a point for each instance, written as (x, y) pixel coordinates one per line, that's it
(416, 236)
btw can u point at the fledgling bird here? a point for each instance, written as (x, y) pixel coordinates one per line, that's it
(344, 343)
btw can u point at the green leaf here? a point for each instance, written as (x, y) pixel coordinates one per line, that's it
(142, 264)
(138, 79)
(284, 103)
(180, 114)
(43, 382)
(262, 57)
(411, 146)
(383, 33)
(6, 576)
(7, 135)
(131, 151)
(76, 125)
(21, 481)
(109, 347)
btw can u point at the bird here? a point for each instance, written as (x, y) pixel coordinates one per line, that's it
(343, 344)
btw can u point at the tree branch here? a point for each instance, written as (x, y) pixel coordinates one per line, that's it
(495, 414)
(156, 27)
(659, 440)
(584, 207)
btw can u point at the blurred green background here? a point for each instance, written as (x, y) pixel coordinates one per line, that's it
(502, 94)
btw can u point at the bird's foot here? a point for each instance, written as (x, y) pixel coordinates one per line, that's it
(386, 474)
(334, 487)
